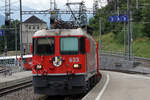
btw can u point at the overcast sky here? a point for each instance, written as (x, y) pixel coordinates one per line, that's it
(44, 4)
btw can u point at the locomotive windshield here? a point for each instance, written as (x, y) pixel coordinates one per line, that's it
(69, 45)
(44, 46)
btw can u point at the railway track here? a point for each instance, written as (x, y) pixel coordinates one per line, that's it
(121, 63)
(3, 70)
(142, 59)
(14, 88)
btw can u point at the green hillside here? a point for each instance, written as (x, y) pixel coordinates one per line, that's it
(141, 46)
(113, 33)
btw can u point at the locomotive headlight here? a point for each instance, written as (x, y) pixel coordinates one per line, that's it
(77, 66)
(38, 67)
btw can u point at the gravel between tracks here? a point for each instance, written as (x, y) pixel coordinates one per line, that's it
(24, 94)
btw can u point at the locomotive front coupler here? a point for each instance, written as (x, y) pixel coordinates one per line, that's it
(70, 75)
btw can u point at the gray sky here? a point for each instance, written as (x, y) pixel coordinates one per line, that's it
(44, 4)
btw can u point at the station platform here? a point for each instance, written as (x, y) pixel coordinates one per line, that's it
(15, 79)
(120, 86)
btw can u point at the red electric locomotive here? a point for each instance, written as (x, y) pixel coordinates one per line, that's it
(65, 61)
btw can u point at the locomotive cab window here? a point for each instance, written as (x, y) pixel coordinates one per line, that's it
(69, 45)
(44, 46)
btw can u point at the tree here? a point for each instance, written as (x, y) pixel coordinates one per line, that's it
(138, 15)
(10, 34)
(146, 19)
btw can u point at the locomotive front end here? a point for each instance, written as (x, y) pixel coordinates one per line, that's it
(59, 62)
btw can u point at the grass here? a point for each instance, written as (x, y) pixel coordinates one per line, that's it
(141, 46)
(109, 43)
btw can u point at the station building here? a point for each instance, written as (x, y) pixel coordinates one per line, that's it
(29, 27)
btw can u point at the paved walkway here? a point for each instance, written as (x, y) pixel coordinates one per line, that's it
(127, 87)
(121, 86)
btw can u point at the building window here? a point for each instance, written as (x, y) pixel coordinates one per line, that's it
(30, 27)
(37, 27)
(33, 27)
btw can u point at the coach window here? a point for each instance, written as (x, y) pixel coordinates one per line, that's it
(24, 60)
(11, 61)
(45, 46)
(69, 45)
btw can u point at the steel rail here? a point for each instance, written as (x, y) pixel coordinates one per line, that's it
(140, 60)
(14, 88)
(121, 55)
(3, 70)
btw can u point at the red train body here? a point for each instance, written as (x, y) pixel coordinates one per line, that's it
(64, 61)
(27, 62)
(12, 60)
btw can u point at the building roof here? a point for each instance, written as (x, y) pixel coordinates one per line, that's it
(34, 19)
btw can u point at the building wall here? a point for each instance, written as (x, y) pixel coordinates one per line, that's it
(28, 30)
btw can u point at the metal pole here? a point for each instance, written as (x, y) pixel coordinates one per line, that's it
(5, 39)
(129, 30)
(137, 4)
(21, 45)
(118, 7)
(50, 14)
(16, 41)
(125, 42)
(115, 6)
(100, 41)
(27, 40)
(50, 5)
(55, 5)
(131, 35)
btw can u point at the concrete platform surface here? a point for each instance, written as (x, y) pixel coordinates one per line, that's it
(121, 86)
(14, 79)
